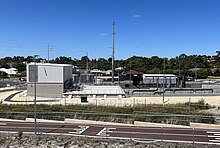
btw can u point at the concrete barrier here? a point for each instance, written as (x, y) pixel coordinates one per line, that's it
(149, 124)
(94, 122)
(201, 125)
(4, 119)
(43, 120)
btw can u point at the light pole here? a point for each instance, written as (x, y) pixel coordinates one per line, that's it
(35, 95)
(163, 77)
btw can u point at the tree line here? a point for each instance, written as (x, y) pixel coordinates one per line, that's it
(199, 66)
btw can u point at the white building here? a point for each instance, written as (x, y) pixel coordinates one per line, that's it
(10, 71)
(51, 79)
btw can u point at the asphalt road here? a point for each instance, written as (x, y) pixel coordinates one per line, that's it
(144, 134)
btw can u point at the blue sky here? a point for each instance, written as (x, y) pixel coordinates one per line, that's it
(164, 28)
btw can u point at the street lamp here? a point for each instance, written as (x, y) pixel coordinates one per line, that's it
(35, 95)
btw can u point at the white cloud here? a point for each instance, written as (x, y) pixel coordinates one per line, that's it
(136, 16)
(103, 34)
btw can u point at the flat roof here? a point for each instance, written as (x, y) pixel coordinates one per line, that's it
(159, 75)
(50, 64)
(99, 90)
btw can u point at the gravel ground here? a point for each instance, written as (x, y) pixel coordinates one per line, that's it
(48, 141)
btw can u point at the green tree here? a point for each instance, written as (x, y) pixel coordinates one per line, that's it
(203, 73)
(20, 67)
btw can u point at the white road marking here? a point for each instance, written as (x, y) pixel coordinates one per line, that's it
(79, 130)
(8, 132)
(105, 130)
(41, 128)
(215, 141)
(101, 132)
(213, 136)
(210, 132)
(146, 141)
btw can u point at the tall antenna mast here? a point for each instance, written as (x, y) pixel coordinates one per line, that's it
(113, 49)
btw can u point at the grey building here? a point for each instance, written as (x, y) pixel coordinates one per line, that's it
(51, 79)
(157, 80)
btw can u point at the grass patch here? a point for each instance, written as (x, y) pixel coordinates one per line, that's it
(158, 113)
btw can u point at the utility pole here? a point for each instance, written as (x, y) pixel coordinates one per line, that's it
(35, 94)
(113, 49)
(163, 78)
(49, 48)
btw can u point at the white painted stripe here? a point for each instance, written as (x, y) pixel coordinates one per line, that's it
(213, 136)
(148, 141)
(79, 130)
(207, 143)
(100, 132)
(178, 141)
(41, 128)
(40, 133)
(110, 128)
(8, 132)
(215, 141)
(82, 130)
(210, 132)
